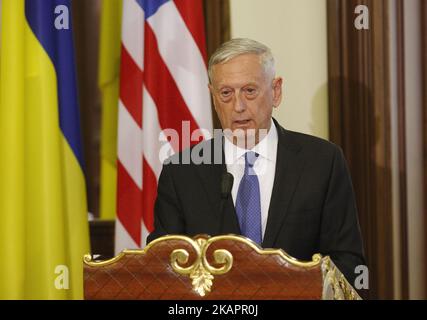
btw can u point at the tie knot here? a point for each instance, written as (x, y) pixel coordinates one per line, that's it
(250, 158)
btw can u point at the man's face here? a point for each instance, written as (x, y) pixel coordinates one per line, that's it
(244, 94)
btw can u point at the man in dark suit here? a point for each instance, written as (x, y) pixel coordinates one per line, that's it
(291, 191)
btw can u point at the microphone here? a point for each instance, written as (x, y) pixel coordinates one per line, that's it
(226, 184)
(227, 180)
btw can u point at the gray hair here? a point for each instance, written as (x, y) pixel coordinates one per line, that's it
(240, 46)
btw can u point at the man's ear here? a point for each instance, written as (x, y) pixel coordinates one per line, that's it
(277, 91)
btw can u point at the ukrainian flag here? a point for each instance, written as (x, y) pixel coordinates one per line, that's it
(108, 82)
(43, 212)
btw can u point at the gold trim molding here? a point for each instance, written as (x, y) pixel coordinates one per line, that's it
(202, 273)
(335, 285)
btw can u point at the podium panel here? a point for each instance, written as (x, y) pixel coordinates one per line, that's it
(224, 267)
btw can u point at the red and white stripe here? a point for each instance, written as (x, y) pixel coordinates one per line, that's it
(163, 82)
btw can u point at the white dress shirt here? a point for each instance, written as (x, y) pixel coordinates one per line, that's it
(264, 167)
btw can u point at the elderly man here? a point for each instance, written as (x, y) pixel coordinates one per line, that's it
(290, 191)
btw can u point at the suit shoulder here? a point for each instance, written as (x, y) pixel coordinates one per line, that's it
(313, 145)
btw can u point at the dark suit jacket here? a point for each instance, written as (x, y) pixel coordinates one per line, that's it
(312, 208)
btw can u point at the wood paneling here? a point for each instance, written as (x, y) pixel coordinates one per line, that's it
(401, 129)
(217, 23)
(102, 238)
(86, 15)
(359, 115)
(424, 66)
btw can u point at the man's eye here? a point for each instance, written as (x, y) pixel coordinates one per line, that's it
(250, 90)
(225, 93)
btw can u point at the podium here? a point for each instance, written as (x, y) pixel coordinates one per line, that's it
(224, 267)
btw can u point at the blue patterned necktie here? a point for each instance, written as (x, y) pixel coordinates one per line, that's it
(248, 203)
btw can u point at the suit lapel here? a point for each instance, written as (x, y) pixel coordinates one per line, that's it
(211, 175)
(289, 165)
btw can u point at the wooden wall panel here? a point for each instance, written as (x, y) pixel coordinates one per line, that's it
(359, 115)
(423, 13)
(217, 23)
(402, 161)
(86, 16)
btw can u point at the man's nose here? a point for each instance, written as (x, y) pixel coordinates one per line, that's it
(239, 103)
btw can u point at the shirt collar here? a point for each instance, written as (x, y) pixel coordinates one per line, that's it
(266, 148)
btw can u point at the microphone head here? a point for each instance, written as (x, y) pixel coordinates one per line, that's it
(226, 184)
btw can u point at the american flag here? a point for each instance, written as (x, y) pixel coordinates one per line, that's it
(163, 82)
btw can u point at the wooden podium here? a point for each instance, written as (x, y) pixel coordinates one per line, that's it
(220, 268)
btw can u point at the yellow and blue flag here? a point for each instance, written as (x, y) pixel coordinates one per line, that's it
(43, 211)
(108, 82)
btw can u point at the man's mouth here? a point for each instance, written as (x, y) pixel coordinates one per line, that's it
(241, 122)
